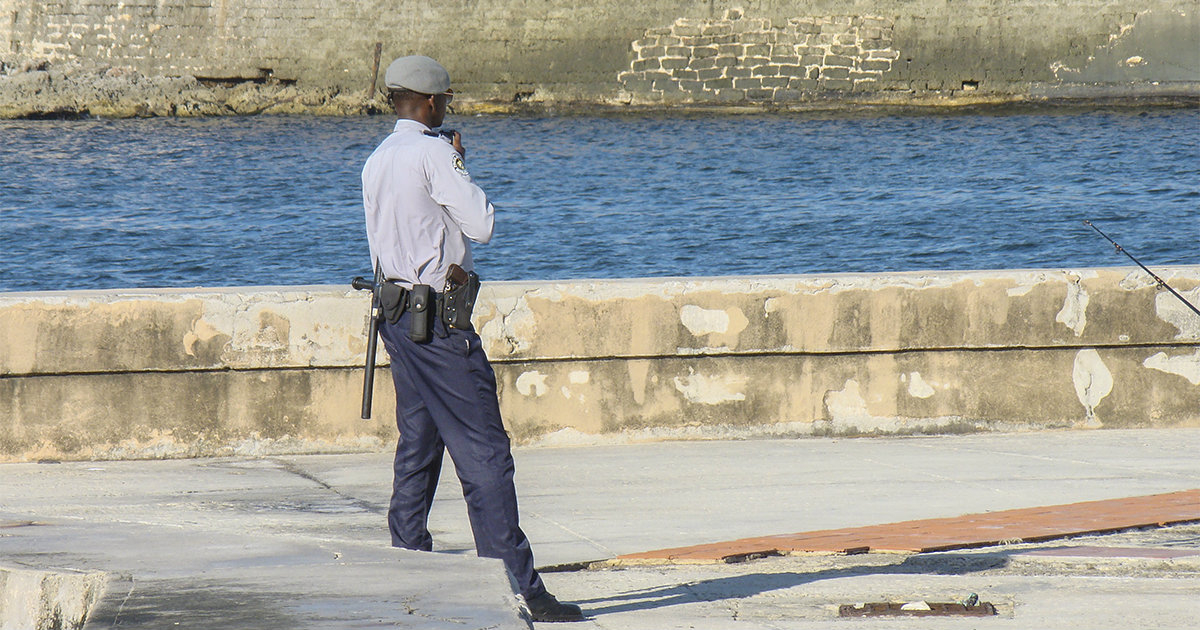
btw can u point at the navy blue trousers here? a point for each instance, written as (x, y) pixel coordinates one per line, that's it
(446, 401)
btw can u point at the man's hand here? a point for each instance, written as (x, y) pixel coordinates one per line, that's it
(457, 144)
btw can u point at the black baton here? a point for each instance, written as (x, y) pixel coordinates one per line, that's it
(372, 336)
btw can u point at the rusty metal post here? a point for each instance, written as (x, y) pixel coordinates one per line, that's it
(375, 71)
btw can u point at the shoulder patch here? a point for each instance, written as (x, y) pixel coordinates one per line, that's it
(460, 166)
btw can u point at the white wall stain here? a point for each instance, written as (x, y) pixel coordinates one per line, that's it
(532, 383)
(848, 410)
(1074, 311)
(201, 332)
(1093, 382)
(579, 377)
(1169, 309)
(917, 387)
(703, 321)
(1187, 366)
(710, 390)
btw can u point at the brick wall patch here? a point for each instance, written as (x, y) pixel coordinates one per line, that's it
(737, 58)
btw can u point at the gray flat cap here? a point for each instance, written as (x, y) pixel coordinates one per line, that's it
(417, 73)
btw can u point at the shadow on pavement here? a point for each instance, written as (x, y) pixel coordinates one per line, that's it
(749, 585)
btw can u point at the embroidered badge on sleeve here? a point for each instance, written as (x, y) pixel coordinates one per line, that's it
(460, 166)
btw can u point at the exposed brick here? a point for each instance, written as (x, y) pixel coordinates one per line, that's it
(838, 61)
(673, 63)
(758, 50)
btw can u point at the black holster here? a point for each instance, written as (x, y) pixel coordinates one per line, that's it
(393, 298)
(421, 305)
(458, 302)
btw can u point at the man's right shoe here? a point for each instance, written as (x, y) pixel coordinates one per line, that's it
(545, 607)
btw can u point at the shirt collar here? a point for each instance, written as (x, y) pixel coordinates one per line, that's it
(408, 124)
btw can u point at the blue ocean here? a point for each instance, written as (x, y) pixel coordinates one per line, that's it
(276, 201)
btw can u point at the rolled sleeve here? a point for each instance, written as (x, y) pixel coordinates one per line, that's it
(450, 185)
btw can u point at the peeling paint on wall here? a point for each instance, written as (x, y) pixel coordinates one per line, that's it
(917, 387)
(703, 321)
(1074, 311)
(1176, 313)
(1187, 366)
(711, 390)
(532, 383)
(1093, 381)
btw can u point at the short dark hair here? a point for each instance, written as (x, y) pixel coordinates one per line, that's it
(397, 95)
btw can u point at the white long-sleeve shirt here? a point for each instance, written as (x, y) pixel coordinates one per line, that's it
(422, 208)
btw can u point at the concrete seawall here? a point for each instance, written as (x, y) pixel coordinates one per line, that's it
(204, 57)
(190, 372)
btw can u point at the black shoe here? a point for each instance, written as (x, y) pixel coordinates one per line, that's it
(545, 607)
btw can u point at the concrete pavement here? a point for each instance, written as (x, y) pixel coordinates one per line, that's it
(300, 541)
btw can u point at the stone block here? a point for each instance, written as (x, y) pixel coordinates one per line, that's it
(737, 72)
(835, 73)
(692, 86)
(839, 85)
(758, 50)
(703, 52)
(696, 41)
(710, 73)
(725, 62)
(838, 61)
(748, 83)
(788, 95)
(716, 28)
(760, 94)
(652, 51)
(727, 95)
(876, 65)
(755, 61)
(715, 84)
(702, 64)
(791, 71)
(775, 82)
(646, 64)
(679, 51)
(673, 63)
(807, 85)
(785, 59)
(812, 60)
(731, 50)
(765, 71)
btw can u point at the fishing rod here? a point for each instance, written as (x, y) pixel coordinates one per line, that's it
(1162, 283)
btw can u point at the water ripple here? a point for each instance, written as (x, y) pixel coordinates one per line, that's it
(243, 201)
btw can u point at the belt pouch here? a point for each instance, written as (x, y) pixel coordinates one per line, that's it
(393, 298)
(458, 303)
(419, 304)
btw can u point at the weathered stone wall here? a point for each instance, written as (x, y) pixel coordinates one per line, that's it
(558, 53)
(203, 372)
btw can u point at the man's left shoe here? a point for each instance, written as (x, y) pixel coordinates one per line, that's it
(545, 607)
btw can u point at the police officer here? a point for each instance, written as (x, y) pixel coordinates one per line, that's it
(422, 212)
